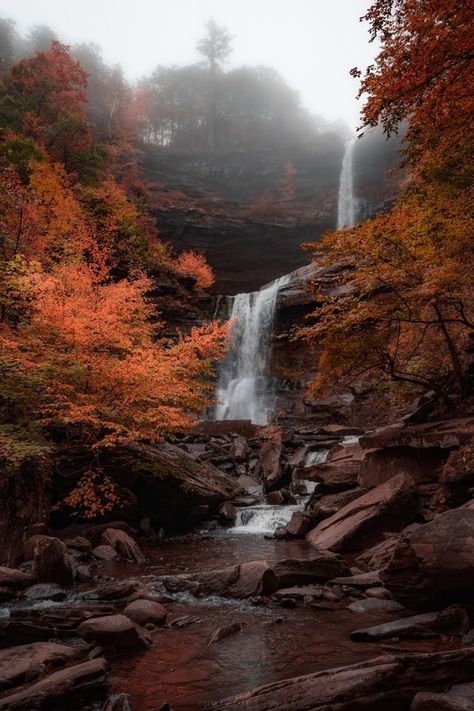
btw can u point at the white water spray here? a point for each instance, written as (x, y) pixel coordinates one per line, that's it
(244, 390)
(346, 206)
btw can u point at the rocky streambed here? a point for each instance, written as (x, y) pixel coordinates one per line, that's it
(329, 569)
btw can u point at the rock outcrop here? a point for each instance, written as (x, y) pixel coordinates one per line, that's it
(432, 566)
(389, 506)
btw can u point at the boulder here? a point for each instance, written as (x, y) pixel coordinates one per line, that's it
(73, 688)
(445, 434)
(298, 525)
(28, 625)
(117, 631)
(52, 562)
(239, 581)
(239, 448)
(380, 465)
(362, 580)
(432, 566)
(331, 503)
(24, 663)
(339, 475)
(275, 498)
(224, 632)
(15, 579)
(459, 467)
(123, 544)
(362, 521)
(385, 682)
(460, 697)
(373, 606)
(143, 612)
(270, 456)
(167, 482)
(453, 621)
(106, 553)
(321, 567)
(227, 512)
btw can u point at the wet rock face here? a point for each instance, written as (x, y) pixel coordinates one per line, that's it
(387, 507)
(432, 566)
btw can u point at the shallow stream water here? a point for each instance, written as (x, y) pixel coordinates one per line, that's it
(181, 669)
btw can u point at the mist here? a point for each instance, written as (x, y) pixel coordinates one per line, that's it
(313, 45)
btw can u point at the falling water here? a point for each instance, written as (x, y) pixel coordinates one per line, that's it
(345, 206)
(244, 390)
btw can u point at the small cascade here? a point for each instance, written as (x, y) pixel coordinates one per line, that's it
(244, 390)
(346, 205)
(263, 519)
(317, 457)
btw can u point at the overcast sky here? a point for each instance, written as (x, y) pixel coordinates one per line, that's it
(312, 43)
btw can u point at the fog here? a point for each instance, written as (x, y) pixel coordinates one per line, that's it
(312, 43)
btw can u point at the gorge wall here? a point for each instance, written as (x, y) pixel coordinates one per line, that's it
(249, 211)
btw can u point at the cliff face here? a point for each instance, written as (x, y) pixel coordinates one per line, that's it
(249, 211)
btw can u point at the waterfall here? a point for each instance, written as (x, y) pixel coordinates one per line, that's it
(345, 206)
(244, 389)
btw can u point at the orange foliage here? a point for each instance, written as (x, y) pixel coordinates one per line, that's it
(95, 495)
(194, 263)
(408, 313)
(93, 348)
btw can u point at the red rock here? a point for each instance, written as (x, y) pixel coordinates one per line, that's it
(106, 553)
(116, 631)
(270, 456)
(275, 498)
(86, 682)
(52, 562)
(24, 663)
(390, 505)
(227, 512)
(298, 525)
(331, 503)
(453, 621)
(460, 697)
(143, 612)
(335, 476)
(321, 567)
(384, 682)
(224, 632)
(15, 579)
(123, 544)
(432, 566)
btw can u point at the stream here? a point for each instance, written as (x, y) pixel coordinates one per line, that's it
(275, 643)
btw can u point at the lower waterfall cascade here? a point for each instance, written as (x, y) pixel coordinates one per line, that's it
(244, 390)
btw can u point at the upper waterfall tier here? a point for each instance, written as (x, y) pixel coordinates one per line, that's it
(345, 205)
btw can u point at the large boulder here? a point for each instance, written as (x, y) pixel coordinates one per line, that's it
(116, 631)
(144, 612)
(340, 475)
(453, 621)
(322, 566)
(15, 579)
(123, 544)
(385, 682)
(52, 562)
(240, 581)
(389, 506)
(74, 688)
(24, 663)
(168, 483)
(331, 503)
(433, 565)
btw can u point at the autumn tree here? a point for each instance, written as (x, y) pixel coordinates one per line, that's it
(43, 98)
(407, 312)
